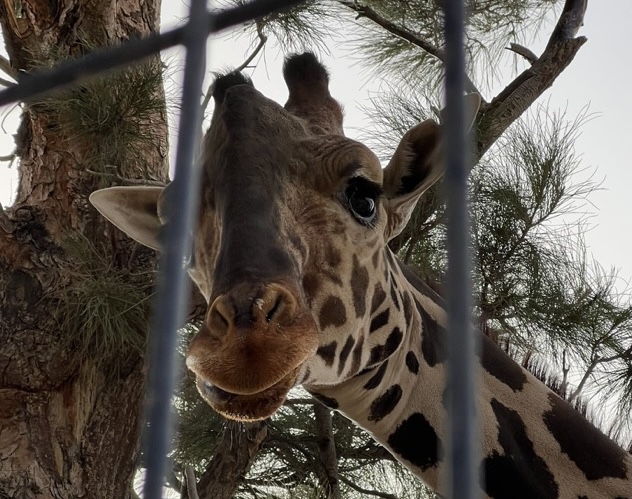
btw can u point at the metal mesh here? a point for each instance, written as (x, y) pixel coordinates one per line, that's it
(170, 303)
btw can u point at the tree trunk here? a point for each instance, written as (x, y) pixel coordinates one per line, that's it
(73, 289)
(235, 454)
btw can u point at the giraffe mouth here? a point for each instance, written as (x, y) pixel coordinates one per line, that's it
(251, 407)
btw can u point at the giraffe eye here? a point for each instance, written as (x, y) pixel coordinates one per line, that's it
(361, 199)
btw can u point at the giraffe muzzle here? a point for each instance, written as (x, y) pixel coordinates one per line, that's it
(251, 407)
(249, 351)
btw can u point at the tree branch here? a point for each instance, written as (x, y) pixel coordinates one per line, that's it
(126, 181)
(571, 19)
(189, 484)
(237, 450)
(8, 157)
(521, 93)
(403, 33)
(300, 401)
(523, 51)
(6, 224)
(327, 449)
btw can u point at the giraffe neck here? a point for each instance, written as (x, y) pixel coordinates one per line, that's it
(534, 444)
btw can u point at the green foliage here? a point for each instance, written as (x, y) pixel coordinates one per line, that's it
(298, 29)
(103, 314)
(535, 282)
(492, 25)
(112, 115)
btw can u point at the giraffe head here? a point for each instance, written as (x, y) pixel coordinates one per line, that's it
(290, 246)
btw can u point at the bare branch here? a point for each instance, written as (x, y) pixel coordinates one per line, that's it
(571, 19)
(521, 93)
(262, 41)
(523, 51)
(300, 401)
(585, 377)
(189, 484)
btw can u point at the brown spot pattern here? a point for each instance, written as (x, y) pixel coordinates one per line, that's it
(332, 313)
(328, 352)
(359, 284)
(383, 352)
(385, 403)
(376, 379)
(378, 298)
(412, 363)
(344, 353)
(394, 294)
(379, 321)
(593, 453)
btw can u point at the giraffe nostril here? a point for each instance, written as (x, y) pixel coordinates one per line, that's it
(276, 306)
(221, 316)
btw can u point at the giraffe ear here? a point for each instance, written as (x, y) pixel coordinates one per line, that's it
(134, 210)
(416, 165)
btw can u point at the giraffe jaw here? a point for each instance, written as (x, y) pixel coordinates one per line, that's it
(252, 407)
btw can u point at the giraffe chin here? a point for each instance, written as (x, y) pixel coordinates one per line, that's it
(253, 407)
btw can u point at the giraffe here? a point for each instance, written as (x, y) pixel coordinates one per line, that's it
(291, 255)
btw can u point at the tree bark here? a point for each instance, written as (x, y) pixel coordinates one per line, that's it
(69, 412)
(235, 454)
(327, 448)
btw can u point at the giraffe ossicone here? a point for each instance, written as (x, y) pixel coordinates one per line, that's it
(291, 255)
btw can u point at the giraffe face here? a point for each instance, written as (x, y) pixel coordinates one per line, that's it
(290, 247)
(285, 231)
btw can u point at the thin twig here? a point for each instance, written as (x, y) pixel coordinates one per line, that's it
(300, 401)
(262, 41)
(523, 51)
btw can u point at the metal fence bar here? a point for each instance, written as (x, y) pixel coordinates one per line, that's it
(173, 286)
(463, 431)
(66, 73)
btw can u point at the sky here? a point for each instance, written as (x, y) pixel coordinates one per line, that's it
(598, 78)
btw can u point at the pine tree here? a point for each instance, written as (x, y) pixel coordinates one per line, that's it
(73, 290)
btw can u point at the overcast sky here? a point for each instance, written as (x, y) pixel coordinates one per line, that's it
(599, 77)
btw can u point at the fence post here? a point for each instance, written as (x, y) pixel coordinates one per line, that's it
(173, 285)
(463, 431)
